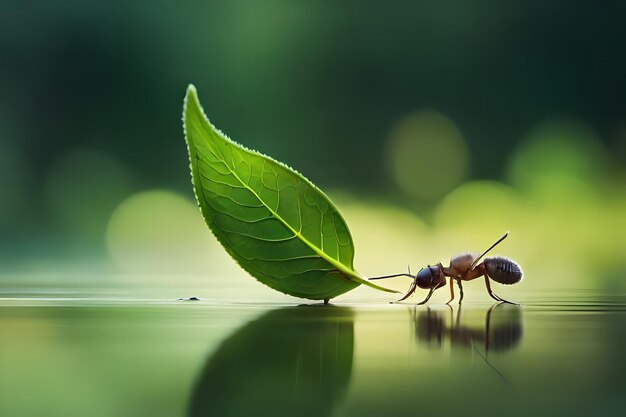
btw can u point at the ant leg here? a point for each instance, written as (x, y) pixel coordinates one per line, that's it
(495, 297)
(487, 329)
(491, 294)
(451, 291)
(460, 290)
(409, 292)
(507, 301)
(451, 319)
(427, 297)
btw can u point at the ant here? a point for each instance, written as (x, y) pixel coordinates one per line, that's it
(464, 267)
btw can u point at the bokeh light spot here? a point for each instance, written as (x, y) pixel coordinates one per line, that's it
(555, 154)
(160, 231)
(427, 155)
(478, 211)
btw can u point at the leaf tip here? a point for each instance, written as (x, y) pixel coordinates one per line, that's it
(191, 89)
(192, 95)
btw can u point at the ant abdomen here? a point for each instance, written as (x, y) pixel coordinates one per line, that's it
(503, 270)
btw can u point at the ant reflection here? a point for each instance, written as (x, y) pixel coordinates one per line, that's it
(501, 331)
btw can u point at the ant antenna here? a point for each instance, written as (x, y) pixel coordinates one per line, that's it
(491, 247)
(392, 276)
(489, 364)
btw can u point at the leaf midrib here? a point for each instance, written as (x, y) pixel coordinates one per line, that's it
(340, 266)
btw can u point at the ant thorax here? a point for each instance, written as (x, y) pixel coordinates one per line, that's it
(462, 263)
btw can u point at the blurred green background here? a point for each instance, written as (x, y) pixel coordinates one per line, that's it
(435, 126)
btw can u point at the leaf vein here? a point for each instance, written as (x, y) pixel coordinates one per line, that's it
(261, 239)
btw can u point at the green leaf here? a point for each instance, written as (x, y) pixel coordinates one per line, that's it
(277, 225)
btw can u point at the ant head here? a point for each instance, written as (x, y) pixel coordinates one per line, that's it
(430, 277)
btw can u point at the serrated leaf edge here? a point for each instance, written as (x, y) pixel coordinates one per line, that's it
(351, 274)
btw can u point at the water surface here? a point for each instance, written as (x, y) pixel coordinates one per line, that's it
(77, 353)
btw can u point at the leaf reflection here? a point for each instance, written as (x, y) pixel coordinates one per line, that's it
(291, 361)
